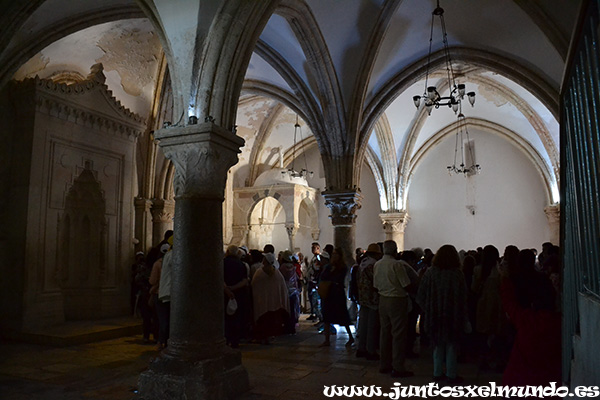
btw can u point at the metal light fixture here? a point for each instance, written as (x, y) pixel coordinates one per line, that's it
(291, 172)
(461, 134)
(431, 96)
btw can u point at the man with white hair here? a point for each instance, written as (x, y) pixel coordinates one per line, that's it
(390, 279)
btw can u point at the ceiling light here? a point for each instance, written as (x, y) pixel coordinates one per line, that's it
(291, 172)
(431, 97)
(461, 134)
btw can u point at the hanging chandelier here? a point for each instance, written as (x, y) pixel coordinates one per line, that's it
(292, 172)
(431, 96)
(461, 134)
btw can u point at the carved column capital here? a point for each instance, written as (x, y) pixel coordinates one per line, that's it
(202, 155)
(553, 213)
(142, 204)
(394, 221)
(291, 228)
(343, 206)
(315, 233)
(163, 210)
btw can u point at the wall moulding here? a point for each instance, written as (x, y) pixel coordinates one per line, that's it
(78, 103)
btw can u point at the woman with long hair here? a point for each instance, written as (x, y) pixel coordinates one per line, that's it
(490, 320)
(333, 302)
(443, 297)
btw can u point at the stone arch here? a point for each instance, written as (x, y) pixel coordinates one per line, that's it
(262, 218)
(163, 179)
(60, 30)
(311, 208)
(389, 163)
(377, 170)
(501, 64)
(536, 159)
(263, 134)
(335, 144)
(301, 147)
(220, 83)
(290, 196)
(524, 108)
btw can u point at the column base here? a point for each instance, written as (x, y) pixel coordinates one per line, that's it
(217, 378)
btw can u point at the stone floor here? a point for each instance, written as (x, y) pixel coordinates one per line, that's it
(293, 367)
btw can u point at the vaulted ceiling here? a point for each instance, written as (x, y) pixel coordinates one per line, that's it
(370, 57)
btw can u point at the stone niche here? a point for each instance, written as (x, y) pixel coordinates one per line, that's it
(69, 205)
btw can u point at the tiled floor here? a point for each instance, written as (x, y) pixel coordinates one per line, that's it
(293, 367)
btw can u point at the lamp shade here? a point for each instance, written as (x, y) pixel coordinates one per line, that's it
(417, 101)
(432, 93)
(429, 107)
(454, 105)
(471, 96)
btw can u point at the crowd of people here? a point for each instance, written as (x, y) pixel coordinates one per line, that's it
(501, 311)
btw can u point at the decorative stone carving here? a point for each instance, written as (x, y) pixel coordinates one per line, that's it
(394, 224)
(315, 233)
(394, 221)
(142, 204)
(66, 133)
(163, 211)
(202, 155)
(78, 103)
(343, 206)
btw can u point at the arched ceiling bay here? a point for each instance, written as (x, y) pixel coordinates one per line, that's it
(521, 35)
(129, 51)
(526, 34)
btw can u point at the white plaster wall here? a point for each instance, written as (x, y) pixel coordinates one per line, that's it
(368, 224)
(508, 196)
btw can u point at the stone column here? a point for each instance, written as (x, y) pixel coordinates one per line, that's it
(163, 212)
(240, 235)
(292, 229)
(394, 224)
(315, 233)
(143, 224)
(343, 206)
(197, 364)
(553, 215)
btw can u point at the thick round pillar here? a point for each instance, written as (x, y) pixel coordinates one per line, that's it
(197, 305)
(196, 363)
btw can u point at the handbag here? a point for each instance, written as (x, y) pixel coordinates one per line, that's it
(231, 306)
(324, 288)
